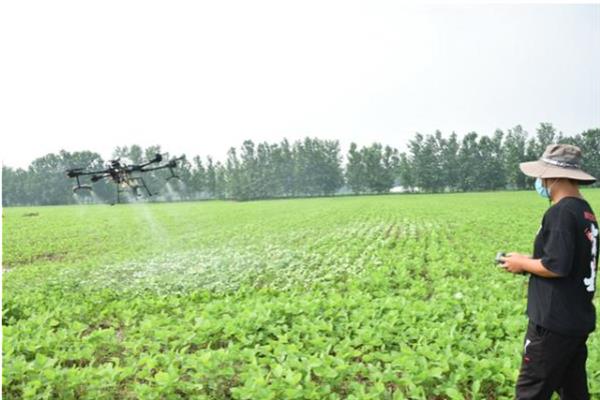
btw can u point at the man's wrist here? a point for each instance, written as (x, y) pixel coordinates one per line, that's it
(526, 264)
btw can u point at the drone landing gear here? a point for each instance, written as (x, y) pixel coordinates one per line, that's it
(79, 186)
(140, 183)
(173, 176)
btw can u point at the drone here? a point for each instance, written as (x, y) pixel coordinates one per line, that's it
(125, 176)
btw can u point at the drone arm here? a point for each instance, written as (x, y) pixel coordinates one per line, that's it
(143, 169)
(74, 174)
(171, 164)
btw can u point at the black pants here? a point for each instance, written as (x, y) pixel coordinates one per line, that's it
(552, 363)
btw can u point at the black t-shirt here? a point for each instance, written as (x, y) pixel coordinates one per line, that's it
(568, 245)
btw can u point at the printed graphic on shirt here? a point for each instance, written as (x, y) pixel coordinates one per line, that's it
(589, 216)
(525, 355)
(527, 343)
(592, 235)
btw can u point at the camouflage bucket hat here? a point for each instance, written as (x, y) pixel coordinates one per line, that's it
(558, 161)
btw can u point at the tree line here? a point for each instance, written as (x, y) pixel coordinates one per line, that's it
(312, 167)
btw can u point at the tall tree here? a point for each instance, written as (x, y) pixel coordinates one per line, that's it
(235, 187)
(332, 177)
(199, 178)
(220, 181)
(287, 169)
(355, 169)
(590, 144)
(491, 169)
(276, 167)
(545, 135)
(418, 164)
(407, 172)
(16, 188)
(391, 164)
(211, 179)
(317, 165)
(429, 175)
(470, 158)
(515, 152)
(450, 162)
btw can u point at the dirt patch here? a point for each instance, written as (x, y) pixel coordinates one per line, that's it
(51, 257)
(31, 214)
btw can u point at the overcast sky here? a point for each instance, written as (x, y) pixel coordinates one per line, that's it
(199, 77)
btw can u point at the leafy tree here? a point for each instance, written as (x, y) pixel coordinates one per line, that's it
(450, 163)
(515, 152)
(426, 152)
(199, 181)
(286, 168)
(391, 163)
(355, 169)
(491, 171)
(380, 166)
(470, 162)
(406, 172)
(590, 145)
(15, 187)
(331, 177)
(317, 165)
(418, 164)
(545, 136)
(213, 187)
(136, 154)
(220, 181)
(234, 185)
(276, 165)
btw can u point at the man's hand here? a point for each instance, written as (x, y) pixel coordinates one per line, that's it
(521, 263)
(514, 262)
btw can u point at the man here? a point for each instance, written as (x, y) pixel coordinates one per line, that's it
(562, 281)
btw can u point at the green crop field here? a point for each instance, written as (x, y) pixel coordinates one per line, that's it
(373, 297)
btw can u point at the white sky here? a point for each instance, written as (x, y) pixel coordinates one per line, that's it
(199, 77)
